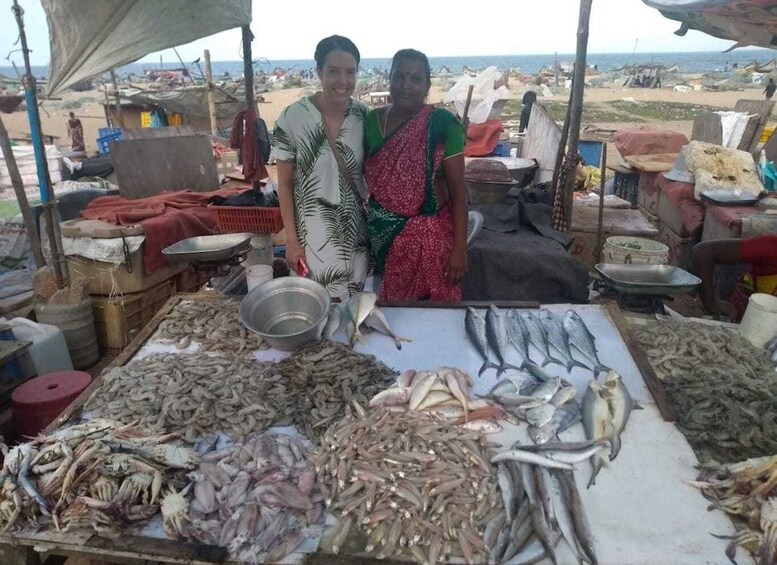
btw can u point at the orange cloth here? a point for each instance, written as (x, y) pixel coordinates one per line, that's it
(482, 138)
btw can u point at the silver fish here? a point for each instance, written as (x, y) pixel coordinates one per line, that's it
(333, 321)
(582, 339)
(557, 337)
(547, 389)
(539, 373)
(475, 325)
(506, 488)
(563, 395)
(537, 335)
(565, 416)
(518, 336)
(532, 459)
(533, 552)
(563, 516)
(377, 321)
(597, 422)
(540, 523)
(620, 404)
(356, 311)
(496, 332)
(579, 518)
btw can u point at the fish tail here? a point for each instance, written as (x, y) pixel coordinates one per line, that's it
(504, 366)
(398, 343)
(555, 361)
(615, 446)
(487, 365)
(546, 361)
(574, 363)
(597, 463)
(599, 369)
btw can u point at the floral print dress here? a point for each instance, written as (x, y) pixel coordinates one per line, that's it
(329, 214)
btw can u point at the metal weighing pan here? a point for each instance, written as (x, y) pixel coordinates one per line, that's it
(729, 197)
(648, 279)
(208, 248)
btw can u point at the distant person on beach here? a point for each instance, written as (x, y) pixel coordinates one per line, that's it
(529, 98)
(75, 131)
(770, 88)
(318, 144)
(417, 212)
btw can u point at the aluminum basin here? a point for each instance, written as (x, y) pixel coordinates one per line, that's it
(287, 312)
(208, 248)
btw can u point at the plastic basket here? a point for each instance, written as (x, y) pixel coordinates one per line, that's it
(251, 219)
(102, 141)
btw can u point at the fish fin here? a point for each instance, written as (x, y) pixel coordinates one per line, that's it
(555, 361)
(504, 366)
(487, 365)
(599, 369)
(358, 336)
(615, 447)
(597, 463)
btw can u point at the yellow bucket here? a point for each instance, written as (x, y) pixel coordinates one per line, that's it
(767, 133)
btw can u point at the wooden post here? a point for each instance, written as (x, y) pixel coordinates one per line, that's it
(107, 108)
(184, 67)
(562, 147)
(47, 197)
(576, 113)
(465, 116)
(602, 181)
(117, 98)
(214, 128)
(248, 68)
(21, 197)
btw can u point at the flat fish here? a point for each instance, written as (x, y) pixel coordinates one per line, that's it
(496, 333)
(537, 336)
(597, 422)
(557, 338)
(582, 339)
(620, 404)
(475, 326)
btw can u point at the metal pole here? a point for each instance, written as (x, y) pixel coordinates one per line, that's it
(602, 181)
(576, 114)
(44, 181)
(248, 68)
(214, 128)
(117, 96)
(21, 197)
(183, 65)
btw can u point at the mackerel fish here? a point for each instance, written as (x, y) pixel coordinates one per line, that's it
(496, 332)
(475, 325)
(537, 336)
(557, 337)
(516, 332)
(582, 339)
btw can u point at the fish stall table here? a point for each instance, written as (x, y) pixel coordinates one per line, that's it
(641, 510)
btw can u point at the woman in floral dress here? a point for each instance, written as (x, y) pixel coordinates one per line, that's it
(322, 195)
(417, 216)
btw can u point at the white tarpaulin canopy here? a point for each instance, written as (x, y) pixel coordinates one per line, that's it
(89, 38)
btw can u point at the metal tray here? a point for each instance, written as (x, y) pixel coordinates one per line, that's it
(208, 248)
(729, 197)
(648, 279)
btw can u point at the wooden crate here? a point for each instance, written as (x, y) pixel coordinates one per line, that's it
(118, 319)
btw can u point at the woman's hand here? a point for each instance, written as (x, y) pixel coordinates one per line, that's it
(294, 253)
(457, 264)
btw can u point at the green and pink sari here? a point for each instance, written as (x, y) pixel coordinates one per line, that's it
(411, 235)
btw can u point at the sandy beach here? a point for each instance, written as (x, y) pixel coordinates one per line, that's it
(606, 107)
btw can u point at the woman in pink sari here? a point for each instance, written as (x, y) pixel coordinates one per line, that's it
(417, 214)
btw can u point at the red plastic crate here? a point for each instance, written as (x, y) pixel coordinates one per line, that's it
(252, 219)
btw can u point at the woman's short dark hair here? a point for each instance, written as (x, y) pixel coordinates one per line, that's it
(412, 54)
(335, 43)
(529, 97)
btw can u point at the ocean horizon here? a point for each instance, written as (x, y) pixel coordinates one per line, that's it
(689, 62)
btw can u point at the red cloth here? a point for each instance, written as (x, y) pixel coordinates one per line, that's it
(482, 138)
(166, 218)
(648, 140)
(761, 253)
(681, 195)
(730, 215)
(243, 137)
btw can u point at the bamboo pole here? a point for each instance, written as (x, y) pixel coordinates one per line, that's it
(214, 128)
(117, 96)
(465, 115)
(47, 197)
(600, 226)
(21, 197)
(576, 113)
(248, 68)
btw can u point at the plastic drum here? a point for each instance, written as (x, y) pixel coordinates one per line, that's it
(36, 403)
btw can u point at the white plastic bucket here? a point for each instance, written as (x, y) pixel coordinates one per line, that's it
(759, 324)
(634, 250)
(258, 274)
(48, 351)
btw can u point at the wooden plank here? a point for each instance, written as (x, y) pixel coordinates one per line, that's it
(763, 108)
(147, 167)
(657, 163)
(543, 137)
(637, 352)
(149, 133)
(707, 128)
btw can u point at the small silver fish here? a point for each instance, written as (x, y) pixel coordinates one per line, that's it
(537, 336)
(516, 333)
(558, 339)
(377, 321)
(540, 415)
(356, 311)
(333, 321)
(496, 334)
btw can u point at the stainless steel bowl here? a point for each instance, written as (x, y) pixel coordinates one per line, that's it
(287, 312)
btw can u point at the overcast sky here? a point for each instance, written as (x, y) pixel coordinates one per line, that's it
(290, 29)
